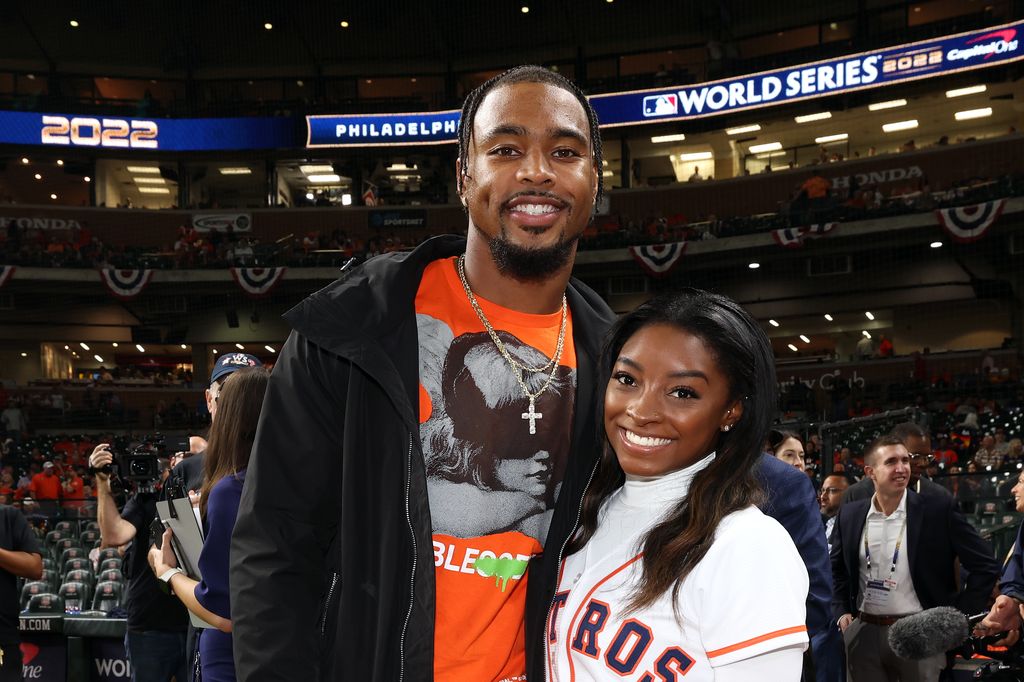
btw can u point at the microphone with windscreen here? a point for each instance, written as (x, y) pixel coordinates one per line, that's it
(931, 632)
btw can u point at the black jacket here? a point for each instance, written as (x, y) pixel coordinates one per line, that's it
(332, 571)
(937, 535)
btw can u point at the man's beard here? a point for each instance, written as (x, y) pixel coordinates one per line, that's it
(530, 265)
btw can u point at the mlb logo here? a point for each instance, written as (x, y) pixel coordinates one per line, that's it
(661, 105)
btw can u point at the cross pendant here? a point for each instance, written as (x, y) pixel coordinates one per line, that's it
(533, 415)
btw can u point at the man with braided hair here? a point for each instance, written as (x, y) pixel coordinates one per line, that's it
(428, 431)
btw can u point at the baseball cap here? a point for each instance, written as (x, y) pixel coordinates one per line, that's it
(226, 364)
(47, 465)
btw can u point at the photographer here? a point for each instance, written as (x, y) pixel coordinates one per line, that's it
(155, 641)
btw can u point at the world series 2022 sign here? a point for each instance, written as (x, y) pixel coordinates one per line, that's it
(902, 63)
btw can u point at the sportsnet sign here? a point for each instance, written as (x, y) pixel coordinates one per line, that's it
(925, 59)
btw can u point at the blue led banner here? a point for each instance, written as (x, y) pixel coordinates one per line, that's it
(379, 130)
(964, 52)
(926, 59)
(156, 134)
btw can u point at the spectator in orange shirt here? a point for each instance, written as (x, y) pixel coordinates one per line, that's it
(72, 485)
(816, 186)
(45, 489)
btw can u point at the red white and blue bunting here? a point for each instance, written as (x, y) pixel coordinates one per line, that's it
(659, 260)
(793, 237)
(257, 282)
(6, 271)
(126, 284)
(970, 223)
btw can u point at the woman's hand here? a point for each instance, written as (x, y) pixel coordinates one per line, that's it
(162, 559)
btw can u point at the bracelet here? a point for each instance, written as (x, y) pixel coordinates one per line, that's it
(170, 573)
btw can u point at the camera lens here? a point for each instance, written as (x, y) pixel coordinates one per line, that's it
(140, 467)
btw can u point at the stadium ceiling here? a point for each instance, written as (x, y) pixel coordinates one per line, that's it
(210, 38)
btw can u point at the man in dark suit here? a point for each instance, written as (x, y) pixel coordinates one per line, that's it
(919, 445)
(894, 555)
(790, 500)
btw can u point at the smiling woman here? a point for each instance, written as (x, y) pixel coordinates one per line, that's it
(664, 573)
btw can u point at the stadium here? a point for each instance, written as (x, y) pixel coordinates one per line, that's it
(175, 179)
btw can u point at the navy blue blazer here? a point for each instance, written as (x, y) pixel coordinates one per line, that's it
(937, 535)
(791, 500)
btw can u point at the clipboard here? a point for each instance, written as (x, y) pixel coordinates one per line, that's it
(187, 542)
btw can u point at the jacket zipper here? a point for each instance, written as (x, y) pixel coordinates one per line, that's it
(412, 576)
(327, 604)
(565, 543)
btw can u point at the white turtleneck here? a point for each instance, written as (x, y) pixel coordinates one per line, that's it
(751, 583)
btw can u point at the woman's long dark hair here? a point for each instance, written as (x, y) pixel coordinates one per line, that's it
(677, 544)
(234, 430)
(777, 437)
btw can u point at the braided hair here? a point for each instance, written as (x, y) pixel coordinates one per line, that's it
(527, 74)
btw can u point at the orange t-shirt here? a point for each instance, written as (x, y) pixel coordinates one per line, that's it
(491, 484)
(45, 487)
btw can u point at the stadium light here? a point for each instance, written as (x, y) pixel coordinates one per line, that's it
(828, 317)
(804, 339)
(98, 358)
(766, 147)
(24, 160)
(752, 128)
(868, 314)
(936, 245)
(773, 323)
(807, 118)
(139, 347)
(899, 125)
(754, 266)
(87, 179)
(891, 104)
(524, 9)
(973, 113)
(60, 162)
(268, 26)
(114, 344)
(183, 346)
(659, 139)
(24, 355)
(270, 348)
(38, 176)
(53, 196)
(960, 92)
(73, 23)
(792, 348)
(344, 24)
(865, 333)
(346, 199)
(84, 346)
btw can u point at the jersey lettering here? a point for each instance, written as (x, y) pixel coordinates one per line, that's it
(593, 621)
(628, 647)
(556, 607)
(672, 663)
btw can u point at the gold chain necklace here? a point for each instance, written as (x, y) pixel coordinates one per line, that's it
(518, 369)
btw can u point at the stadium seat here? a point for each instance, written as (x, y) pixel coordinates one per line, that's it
(89, 538)
(110, 575)
(81, 576)
(109, 553)
(65, 526)
(107, 564)
(92, 525)
(108, 596)
(78, 564)
(69, 549)
(33, 588)
(76, 596)
(54, 536)
(49, 564)
(51, 578)
(46, 604)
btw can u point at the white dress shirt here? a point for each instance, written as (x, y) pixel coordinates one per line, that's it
(883, 532)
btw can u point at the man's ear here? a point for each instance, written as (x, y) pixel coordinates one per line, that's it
(460, 182)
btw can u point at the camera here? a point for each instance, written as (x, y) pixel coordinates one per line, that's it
(139, 469)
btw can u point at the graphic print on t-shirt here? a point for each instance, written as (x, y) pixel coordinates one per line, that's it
(492, 485)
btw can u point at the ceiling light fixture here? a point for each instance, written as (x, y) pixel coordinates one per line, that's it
(754, 266)
(868, 314)
(899, 125)
(891, 104)
(827, 139)
(792, 347)
(149, 181)
(752, 128)
(327, 177)
(87, 179)
(235, 171)
(973, 113)
(804, 339)
(38, 176)
(696, 156)
(936, 245)
(73, 23)
(344, 24)
(807, 118)
(24, 160)
(828, 317)
(270, 348)
(84, 346)
(316, 168)
(239, 346)
(773, 323)
(114, 344)
(524, 9)
(659, 139)
(153, 190)
(864, 332)
(139, 347)
(961, 92)
(268, 26)
(766, 147)
(60, 162)
(98, 358)
(142, 169)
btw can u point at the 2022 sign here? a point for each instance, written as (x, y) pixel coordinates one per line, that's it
(95, 132)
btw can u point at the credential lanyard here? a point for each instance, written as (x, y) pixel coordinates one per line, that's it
(895, 554)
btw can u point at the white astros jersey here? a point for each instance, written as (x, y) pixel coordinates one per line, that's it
(745, 598)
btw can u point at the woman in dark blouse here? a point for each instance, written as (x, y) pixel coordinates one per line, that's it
(225, 462)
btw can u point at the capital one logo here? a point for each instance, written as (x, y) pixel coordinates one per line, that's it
(1000, 42)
